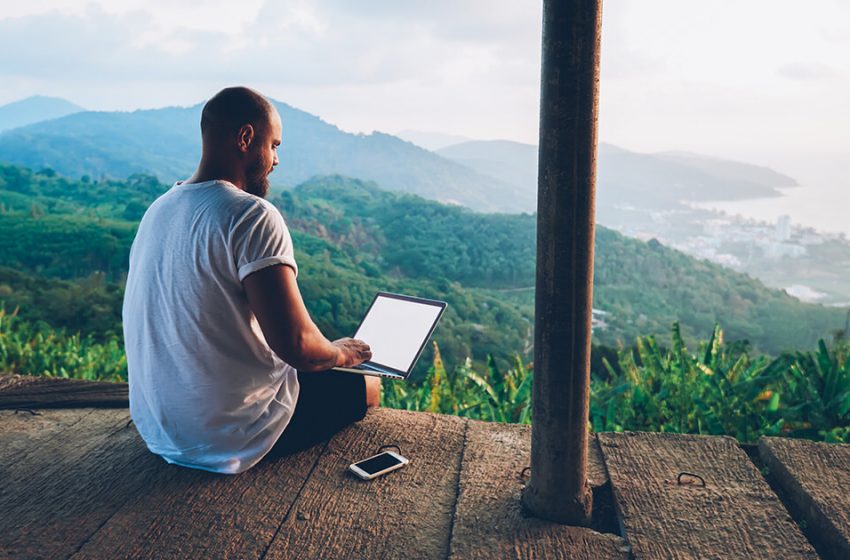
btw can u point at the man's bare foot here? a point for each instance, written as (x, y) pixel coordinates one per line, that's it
(373, 391)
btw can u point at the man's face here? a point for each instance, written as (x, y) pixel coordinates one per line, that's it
(264, 156)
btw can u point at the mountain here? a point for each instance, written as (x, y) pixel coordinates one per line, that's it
(490, 176)
(731, 170)
(34, 109)
(430, 140)
(166, 143)
(513, 162)
(353, 239)
(626, 179)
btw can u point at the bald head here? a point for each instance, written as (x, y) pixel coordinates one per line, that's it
(232, 108)
(241, 133)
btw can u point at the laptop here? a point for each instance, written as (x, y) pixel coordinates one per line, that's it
(397, 328)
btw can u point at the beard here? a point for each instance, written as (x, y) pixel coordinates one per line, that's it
(258, 180)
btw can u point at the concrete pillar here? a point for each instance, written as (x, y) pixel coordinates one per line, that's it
(558, 488)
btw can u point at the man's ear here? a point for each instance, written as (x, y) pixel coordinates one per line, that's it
(245, 138)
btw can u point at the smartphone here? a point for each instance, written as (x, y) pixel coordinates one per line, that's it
(379, 464)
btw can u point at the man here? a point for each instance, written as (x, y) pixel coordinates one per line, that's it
(214, 323)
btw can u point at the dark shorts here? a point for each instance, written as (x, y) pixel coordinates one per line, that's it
(328, 401)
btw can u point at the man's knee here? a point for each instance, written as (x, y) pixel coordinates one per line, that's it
(373, 391)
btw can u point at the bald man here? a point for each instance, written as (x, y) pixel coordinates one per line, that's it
(225, 365)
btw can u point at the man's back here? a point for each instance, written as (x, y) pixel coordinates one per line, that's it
(206, 390)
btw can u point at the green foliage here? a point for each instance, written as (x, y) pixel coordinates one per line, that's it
(415, 237)
(91, 305)
(820, 382)
(718, 390)
(462, 391)
(37, 349)
(353, 239)
(65, 249)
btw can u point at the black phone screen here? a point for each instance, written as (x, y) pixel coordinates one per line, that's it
(378, 463)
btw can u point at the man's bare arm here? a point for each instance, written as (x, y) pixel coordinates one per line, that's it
(275, 299)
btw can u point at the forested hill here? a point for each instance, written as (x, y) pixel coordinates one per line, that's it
(67, 242)
(166, 143)
(643, 287)
(64, 249)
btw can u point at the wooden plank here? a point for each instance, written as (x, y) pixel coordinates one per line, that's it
(816, 478)
(24, 433)
(489, 521)
(405, 514)
(736, 515)
(22, 391)
(59, 492)
(198, 514)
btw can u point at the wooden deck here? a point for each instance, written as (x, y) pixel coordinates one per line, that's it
(80, 483)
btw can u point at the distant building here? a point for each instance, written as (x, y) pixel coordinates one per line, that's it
(783, 228)
(598, 320)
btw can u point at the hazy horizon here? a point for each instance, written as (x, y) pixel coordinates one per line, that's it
(768, 86)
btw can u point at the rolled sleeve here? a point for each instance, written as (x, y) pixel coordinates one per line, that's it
(252, 267)
(261, 239)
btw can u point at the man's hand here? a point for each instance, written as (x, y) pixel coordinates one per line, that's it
(352, 352)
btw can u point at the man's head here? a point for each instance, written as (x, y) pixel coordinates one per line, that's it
(241, 127)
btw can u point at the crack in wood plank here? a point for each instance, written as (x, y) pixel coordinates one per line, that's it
(816, 479)
(406, 513)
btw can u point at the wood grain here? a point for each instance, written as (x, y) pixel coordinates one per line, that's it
(816, 478)
(404, 514)
(489, 521)
(25, 434)
(188, 513)
(67, 483)
(736, 515)
(22, 391)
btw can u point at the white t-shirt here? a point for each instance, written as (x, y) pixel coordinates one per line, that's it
(206, 390)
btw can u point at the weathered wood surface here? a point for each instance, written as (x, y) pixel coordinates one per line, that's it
(736, 514)
(816, 479)
(81, 483)
(71, 478)
(25, 433)
(404, 514)
(489, 521)
(23, 391)
(187, 513)
(85, 482)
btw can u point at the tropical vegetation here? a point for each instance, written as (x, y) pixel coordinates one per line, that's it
(719, 389)
(63, 260)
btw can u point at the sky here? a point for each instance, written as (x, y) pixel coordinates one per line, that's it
(766, 81)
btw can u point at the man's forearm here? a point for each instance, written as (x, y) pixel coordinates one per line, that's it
(312, 352)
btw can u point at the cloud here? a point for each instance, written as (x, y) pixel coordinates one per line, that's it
(301, 43)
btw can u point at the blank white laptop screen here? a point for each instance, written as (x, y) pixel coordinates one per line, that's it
(396, 329)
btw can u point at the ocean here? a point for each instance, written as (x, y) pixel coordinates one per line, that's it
(822, 201)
